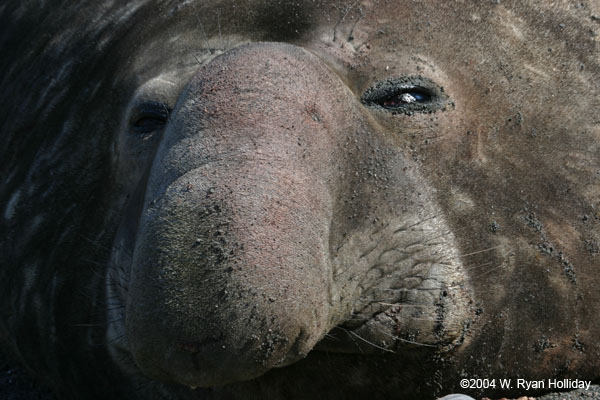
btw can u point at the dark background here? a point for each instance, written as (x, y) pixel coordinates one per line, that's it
(16, 384)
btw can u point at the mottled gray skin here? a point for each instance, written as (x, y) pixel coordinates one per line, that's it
(205, 199)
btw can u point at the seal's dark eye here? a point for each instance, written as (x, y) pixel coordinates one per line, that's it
(149, 117)
(149, 122)
(405, 95)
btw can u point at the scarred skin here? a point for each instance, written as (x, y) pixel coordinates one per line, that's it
(216, 200)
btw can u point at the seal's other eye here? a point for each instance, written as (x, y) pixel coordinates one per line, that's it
(405, 95)
(149, 116)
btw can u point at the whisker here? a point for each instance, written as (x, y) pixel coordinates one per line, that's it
(112, 340)
(201, 26)
(366, 341)
(405, 304)
(409, 289)
(476, 267)
(95, 243)
(219, 26)
(405, 228)
(481, 251)
(115, 308)
(405, 340)
(500, 266)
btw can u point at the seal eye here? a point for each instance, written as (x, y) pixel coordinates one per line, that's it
(149, 123)
(149, 116)
(402, 97)
(405, 95)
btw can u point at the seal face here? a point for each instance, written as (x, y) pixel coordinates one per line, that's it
(310, 200)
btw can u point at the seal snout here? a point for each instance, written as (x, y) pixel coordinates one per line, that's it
(240, 312)
(224, 295)
(231, 273)
(211, 362)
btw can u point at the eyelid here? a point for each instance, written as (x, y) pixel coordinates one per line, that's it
(148, 116)
(157, 121)
(149, 109)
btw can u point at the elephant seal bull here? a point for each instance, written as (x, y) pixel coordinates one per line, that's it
(221, 199)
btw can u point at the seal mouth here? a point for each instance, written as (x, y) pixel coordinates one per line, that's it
(408, 289)
(399, 327)
(421, 304)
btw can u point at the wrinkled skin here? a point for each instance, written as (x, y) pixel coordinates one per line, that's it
(249, 199)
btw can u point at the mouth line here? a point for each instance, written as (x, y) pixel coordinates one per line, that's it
(349, 340)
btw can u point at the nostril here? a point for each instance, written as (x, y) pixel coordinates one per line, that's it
(189, 347)
(195, 347)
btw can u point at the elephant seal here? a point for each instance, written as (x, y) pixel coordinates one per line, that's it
(237, 200)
